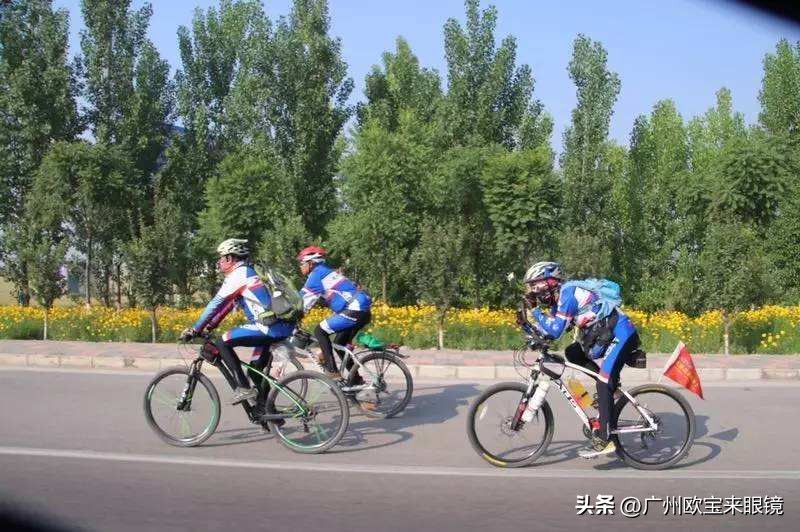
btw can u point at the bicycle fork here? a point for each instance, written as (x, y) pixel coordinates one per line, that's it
(519, 416)
(185, 400)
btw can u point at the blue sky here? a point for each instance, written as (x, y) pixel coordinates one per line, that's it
(679, 49)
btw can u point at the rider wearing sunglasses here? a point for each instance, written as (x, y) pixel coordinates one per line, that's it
(242, 287)
(612, 338)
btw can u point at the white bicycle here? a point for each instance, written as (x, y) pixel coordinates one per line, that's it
(380, 369)
(511, 424)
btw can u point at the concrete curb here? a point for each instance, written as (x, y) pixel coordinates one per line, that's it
(425, 371)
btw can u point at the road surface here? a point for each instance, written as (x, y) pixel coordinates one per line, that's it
(75, 449)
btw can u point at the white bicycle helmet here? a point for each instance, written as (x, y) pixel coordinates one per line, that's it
(544, 270)
(234, 246)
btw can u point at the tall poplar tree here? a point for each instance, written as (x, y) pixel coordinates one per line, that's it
(780, 90)
(110, 44)
(584, 140)
(37, 107)
(310, 108)
(659, 174)
(489, 97)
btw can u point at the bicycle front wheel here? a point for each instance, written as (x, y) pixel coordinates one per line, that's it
(670, 442)
(390, 380)
(316, 414)
(182, 409)
(489, 427)
(282, 367)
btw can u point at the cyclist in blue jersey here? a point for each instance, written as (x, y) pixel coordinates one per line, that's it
(612, 338)
(242, 287)
(351, 306)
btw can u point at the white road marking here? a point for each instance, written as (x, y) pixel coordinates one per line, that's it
(488, 471)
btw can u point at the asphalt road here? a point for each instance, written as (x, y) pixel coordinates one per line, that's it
(74, 447)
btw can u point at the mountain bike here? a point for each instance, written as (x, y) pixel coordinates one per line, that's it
(306, 410)
(655, 424)
(380, 369)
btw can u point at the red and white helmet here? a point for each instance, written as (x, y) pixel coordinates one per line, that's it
(313, 254)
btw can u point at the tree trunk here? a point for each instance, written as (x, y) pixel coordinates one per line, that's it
(440, 330)
(88, 281)
(183, 295)
(477, 287)
(154, 324)
(46, 316)
(131, 297)
(24, 296)
(478, 265)
(726, 335)
(119, 285)
(107, 284)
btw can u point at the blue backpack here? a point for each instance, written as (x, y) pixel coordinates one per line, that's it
(608, 294)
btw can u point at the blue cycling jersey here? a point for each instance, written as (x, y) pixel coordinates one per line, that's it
(338, 292)
(243, 288)
(576, 307)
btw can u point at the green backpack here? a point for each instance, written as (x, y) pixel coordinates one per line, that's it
(287, 303)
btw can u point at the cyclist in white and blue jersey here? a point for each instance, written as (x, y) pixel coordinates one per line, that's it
(242, 287)
(612, 338)
(351, 305)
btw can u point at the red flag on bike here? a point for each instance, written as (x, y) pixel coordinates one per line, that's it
(680, 368)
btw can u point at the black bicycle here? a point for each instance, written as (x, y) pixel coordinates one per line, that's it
(306, 410)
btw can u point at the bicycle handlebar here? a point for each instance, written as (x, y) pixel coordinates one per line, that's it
(205, 335)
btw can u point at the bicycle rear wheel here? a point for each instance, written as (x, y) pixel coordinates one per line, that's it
(665, 446)
(178, 410)
(315, 409)
(489, 427)
(390, 380)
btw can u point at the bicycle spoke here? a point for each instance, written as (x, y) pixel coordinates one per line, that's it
(181, 427)
(380, 365)
(317, 430)
(312, 398)
(185, 426)
(491, 428)
(160, 399)
(645, 446)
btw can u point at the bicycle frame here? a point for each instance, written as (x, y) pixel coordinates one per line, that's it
(281, 389)
(346, 356)
(537, 376)
(196, 367)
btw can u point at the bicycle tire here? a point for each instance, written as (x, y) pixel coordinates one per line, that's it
(284, 432)
(409, 381)
(494, 458)
(164, 434)
(628, 457)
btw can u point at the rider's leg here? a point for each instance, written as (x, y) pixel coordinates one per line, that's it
(625, 341)
(576, 355)
(344, 337)
(231, 362)
(249, 335)
(338, 323)
(324, 340)
(262, 358)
